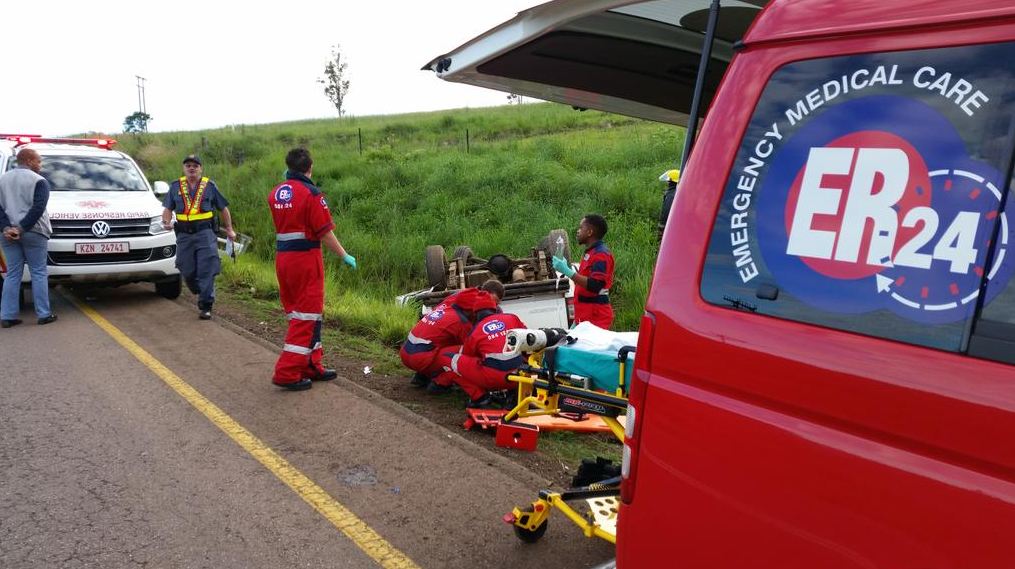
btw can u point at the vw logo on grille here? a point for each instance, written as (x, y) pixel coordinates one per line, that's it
(100, 229)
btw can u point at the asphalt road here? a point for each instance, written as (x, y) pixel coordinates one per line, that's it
(105, 464)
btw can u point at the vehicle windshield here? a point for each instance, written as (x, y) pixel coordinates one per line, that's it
(92, 173)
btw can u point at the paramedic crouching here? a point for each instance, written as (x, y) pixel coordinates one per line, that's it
(482, 367)
(445, 329)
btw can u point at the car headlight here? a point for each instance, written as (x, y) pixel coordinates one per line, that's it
(155, 227)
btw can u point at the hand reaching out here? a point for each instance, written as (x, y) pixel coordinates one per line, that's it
(563, 267)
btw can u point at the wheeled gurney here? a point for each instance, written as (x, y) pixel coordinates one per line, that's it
(559, 377)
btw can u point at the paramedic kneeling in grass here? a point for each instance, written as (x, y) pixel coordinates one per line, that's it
(482, 366)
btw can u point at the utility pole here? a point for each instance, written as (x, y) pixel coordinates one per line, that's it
(141, 104)
(140, 94)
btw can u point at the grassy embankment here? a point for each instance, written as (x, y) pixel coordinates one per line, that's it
(529, 169)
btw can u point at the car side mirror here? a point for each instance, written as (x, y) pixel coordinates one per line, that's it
(161, 188)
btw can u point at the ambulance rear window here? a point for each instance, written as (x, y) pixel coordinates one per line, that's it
(866, 196)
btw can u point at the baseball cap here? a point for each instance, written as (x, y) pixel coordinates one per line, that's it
(192, 158)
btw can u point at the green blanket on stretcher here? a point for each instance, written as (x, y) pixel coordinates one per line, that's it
(594, 355)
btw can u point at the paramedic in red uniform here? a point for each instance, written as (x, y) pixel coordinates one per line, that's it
(482, 366)
(302, 224)
(594, 276)
(444, 329)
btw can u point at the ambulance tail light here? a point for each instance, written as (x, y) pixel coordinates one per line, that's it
(636, 408)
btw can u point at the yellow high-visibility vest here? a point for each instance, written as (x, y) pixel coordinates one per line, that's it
(192, 209)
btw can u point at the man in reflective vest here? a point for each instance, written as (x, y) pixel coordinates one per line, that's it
(445, 329)
(302, 223)
(594, 276)
(672, 178)
(482, 366)
(193, 198)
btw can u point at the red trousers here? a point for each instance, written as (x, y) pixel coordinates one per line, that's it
(301, 291)
(429, 363)
(444, 375)
(476, 379)
(599, 314)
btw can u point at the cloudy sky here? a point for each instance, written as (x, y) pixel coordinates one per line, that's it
(71, 64)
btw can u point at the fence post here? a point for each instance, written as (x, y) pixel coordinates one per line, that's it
(359, 133)
(467, 151)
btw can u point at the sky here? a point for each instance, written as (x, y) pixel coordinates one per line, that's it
(71, 64)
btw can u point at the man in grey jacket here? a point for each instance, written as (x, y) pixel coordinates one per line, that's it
(26, 230)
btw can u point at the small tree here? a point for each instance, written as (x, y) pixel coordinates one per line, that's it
(336, 86)
(137, 122)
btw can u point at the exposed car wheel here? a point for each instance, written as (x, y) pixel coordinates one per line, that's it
(551, 242)
(500, 265)
(169, 289)
(463, 252)
(436, 267)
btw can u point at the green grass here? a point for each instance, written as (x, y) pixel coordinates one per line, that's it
(570, 448)
(529, 169)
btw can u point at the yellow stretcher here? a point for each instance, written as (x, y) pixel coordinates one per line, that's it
(544, 391)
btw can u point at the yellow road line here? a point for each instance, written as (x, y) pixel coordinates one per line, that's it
(354, 528)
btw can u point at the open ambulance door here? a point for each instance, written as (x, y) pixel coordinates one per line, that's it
(637, 59)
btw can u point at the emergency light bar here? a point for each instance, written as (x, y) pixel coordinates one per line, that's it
(28, 138)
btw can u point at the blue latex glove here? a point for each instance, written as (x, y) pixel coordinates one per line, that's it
(349, 260)
(563, 267)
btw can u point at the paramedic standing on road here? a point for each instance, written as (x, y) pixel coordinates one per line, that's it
(24, 195)
(594, 276)
(192, 198)
(302, 223)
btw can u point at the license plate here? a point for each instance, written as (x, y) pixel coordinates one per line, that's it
(102, 248)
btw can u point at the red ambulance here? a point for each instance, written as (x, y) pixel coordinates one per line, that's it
(825, 375)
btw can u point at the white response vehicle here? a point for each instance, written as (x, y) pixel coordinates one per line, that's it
(106, 218)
